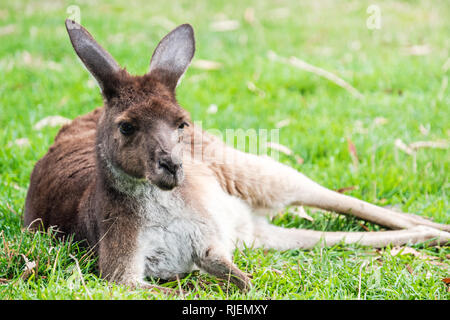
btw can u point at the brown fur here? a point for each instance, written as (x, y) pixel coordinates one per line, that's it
(62, 178)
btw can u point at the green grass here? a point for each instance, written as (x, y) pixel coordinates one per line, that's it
(40, 76)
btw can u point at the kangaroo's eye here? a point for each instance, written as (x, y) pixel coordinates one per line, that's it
(183, 124)
(126, 128)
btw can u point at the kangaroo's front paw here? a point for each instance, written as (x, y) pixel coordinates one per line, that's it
(244, 283)
(217, 264)
(141, 284)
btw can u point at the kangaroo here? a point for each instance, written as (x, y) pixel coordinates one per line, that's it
(156, 196)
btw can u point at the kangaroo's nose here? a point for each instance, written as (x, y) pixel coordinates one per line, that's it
(169, 165)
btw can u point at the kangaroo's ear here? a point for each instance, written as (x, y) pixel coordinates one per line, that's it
(173, 55)
(96, 59)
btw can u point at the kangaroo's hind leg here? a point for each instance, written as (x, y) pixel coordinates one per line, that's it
(267, 184)
(270, 236)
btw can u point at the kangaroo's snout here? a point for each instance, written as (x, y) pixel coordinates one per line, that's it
(169, 172)
(169, 165)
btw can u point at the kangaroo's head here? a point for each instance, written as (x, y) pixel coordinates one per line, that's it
(140, 132)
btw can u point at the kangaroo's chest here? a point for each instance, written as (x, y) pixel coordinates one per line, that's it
(174, 233)
(168, 251)
(170, 236)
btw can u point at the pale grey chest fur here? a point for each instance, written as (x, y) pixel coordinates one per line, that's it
(171, 235)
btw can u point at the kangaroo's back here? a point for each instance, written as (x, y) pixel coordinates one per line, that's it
(60, 180)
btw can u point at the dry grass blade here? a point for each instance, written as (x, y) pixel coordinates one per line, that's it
(440, 264)
(303, 65)
(423, 130)
(326, 74)
(249, 15)
(429, 144)
(402, 146)
(276, 271)
(417, 50)
(21, 142)
(29, 267)
(353, 154)
(7, 251)
(225, 25)
(379, 121)
(206, 64)
(5, 30)
(301, 212)
(447, 282)
(360, 277)
(410, 270)
(81, 275)
(279, 147)
(282, 123)
(364, 227)
(299, 159)
(179, 288)
(414, 146)
(253, 88)
(51, 121)
(345, 189)
(408, 250)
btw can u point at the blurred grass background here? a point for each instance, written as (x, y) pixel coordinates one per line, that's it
(401, 70)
